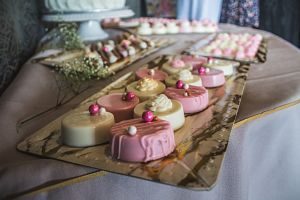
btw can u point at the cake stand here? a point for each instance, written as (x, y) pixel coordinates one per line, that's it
(90, 28)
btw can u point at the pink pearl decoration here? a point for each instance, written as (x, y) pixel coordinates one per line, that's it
(209, 60)
(94, 109)
(129, 96)
(201, 70)
(148, 116)
(105, 49)
(179, 84)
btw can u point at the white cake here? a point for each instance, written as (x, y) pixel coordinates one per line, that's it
(82, 5)
(224, 65)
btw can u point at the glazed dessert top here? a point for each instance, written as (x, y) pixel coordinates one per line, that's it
(83, 119)
(194, 91)
(160, 103)
(146, 84)
(116, 100)
(143, 128)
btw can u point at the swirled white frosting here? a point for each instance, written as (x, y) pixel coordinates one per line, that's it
(160, 103)
(146, 84)
(184, 75)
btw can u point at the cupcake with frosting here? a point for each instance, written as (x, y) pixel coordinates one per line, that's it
(163, 108)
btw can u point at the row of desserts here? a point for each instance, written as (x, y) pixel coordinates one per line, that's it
(158, 111)
(173, 27)
(111, 51)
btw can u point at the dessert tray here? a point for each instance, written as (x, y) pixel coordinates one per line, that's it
(125, 50)
(250, 48)
(200, 144)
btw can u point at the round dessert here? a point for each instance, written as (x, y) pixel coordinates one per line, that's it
(83, 5)
(193, 98)
(159, 28)
(151, 73)
(120, 105)
(226, 66)
(185, 27)
(175, 65)
(146, 88)
(195, 61)
(163, 108)
(184, 75)
(172, 28)
(211, 77)
(83, 129)
(137, 140)
(144, 29)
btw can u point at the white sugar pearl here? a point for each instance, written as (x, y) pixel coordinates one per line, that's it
(186, 86)
(207, 70)
(102, 111)
(151, 72)
(132, 130)
(143, 45)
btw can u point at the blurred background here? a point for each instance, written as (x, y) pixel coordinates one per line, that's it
(21, 27)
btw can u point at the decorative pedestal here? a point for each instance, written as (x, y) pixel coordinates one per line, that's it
(89, 29)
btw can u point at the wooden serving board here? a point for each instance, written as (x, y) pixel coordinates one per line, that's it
(201, 142)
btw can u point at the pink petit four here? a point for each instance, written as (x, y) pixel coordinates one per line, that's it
(211, 77)
(120, 105)
(151, 73)
(193, 98)
(142, 140)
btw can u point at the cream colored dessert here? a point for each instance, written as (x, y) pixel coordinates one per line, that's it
(146, 88)
(163, 108)
(172, 28)
(186, 76)
(174, 65)
(81, 129)
(144, 29)
(159, 28)
(224, 65)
